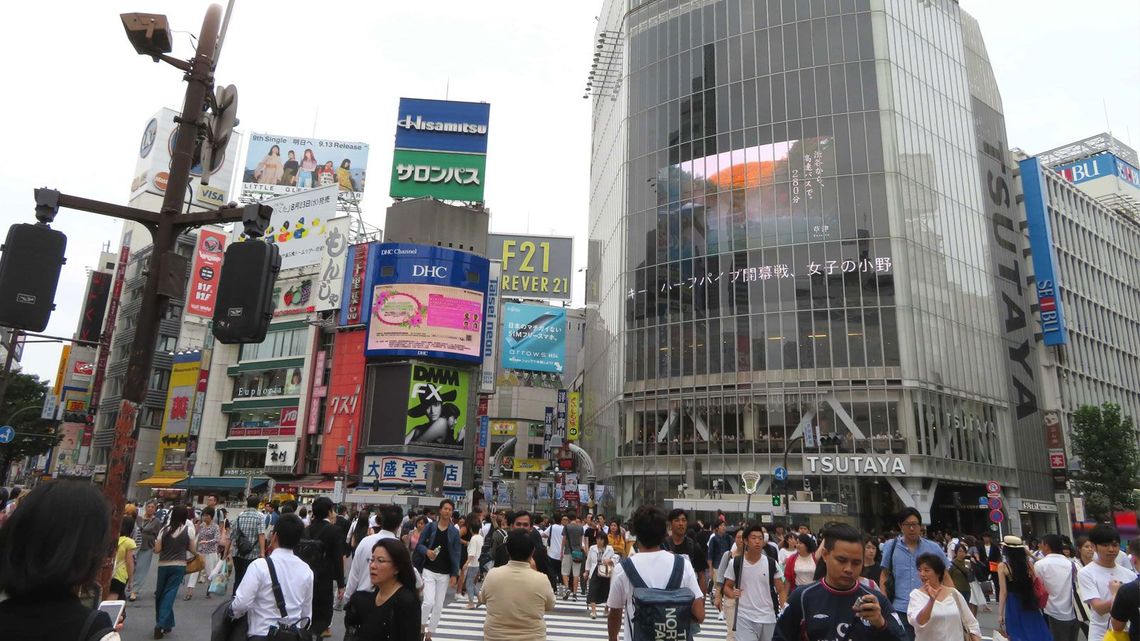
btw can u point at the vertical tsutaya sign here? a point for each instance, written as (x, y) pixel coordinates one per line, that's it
(441, 150)
(354, 307)
(208, 255)
(98, 289)
(490, 328)
(534, 266)
(175, 435)
(1036, 203)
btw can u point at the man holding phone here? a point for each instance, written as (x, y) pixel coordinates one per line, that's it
(839, 607)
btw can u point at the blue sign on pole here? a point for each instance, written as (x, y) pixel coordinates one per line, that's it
(1051, 312)
(7, 434)
(780, 473)
(983, 501)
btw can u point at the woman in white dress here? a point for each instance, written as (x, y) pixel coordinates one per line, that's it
(939, 612)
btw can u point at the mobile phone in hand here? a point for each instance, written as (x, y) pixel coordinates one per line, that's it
(114, 609)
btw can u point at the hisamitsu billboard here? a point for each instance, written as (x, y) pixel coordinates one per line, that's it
(443, 125)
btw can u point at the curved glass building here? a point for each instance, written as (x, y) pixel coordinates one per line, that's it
(792, 235)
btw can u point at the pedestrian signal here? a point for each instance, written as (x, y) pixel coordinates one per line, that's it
(29, 272)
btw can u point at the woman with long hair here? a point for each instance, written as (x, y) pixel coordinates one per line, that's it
(799, 569)
(360, 530)
(46, 563)
(616, 538)
(270, 169)
(174, 542)
(308, 166)
(391, 609)
(414, 535)
(469, 576)
(938, 612)
(1086, 551)
(872, 556)
(787, 548)
(1019, 618)
(599, 569)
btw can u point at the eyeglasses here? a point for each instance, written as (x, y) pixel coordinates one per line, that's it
(381, 561)
(911, 523)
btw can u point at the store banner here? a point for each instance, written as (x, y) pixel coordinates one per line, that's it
(277, 165)
(175, 432)
(207, 269)
(409, 471)
(573, 416)
(354, 308)
(491, 330)
(299, 226)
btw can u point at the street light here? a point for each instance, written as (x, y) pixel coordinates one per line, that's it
(338, 491)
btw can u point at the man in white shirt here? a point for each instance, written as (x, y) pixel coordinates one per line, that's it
(1100, 579)
(358, 577)
(654, 565)
(554, 534)
(255, 594)
(1057, 573)
(755, 617)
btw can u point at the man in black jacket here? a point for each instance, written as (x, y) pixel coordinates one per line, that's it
(521, 520)
(331, 567)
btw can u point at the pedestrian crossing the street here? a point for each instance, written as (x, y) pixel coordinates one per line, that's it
(570, 621)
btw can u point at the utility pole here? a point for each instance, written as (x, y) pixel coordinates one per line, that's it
(150, 34)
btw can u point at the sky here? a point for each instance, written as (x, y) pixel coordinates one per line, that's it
(79, 97)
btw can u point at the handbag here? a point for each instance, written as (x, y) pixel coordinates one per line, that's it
(224, 627)
(1039, 592)
(577, 556)
(605, 571)
(1080, 608)
(197, 563)
(282, 631)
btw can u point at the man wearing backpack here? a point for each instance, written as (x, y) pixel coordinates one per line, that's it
(323, 551)
(654, 589)
(247, 539)
(899, 576)
(758, 587)
(681, 542)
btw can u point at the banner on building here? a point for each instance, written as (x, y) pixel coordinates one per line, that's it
(299, 226)
(1051, 312)
(152, 169)
(207, 269)
(180, 396)
(98, 291)
(534, 337)
(345, 403)
(275, 381)
(533, 266)
(504, 428)
(490, 330)
(573, 416)
(281, 455)
(330, 280)
(391, 469)
(354, 293)
(277, 165)
(437, 405)
(529, 464)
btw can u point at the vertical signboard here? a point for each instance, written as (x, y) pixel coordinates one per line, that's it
(109, 330)
(98, 289)
(481, 448)
(207, 269)
(560, 420)
(317, 393)
(573, 416)
(490, 329)
(330, 280)
(1036, 203)
(176, 419)
(548, 445)
(354, 310)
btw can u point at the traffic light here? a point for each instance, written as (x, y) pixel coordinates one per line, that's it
(835, 438)
(245, 292)
(29, 272)
(777, 500)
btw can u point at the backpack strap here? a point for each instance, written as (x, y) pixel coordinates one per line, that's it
(678, 573)
(772, 583)
(277, 594)
(634, 578)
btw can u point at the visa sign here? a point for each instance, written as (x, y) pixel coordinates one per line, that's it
(1052, 316)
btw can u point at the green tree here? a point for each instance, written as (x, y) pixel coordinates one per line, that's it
(1105, 443)
(21, 409)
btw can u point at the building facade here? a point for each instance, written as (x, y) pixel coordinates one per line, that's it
(791, 235)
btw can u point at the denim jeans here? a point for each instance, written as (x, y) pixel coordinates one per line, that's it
(305, 179)
(166, 593)
(472, 589)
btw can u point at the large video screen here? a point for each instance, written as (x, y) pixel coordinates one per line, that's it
(427, 301)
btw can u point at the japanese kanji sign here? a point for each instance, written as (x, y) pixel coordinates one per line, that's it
(179, 409)
(409, 471)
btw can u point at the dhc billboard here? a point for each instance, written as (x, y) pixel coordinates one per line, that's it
(442, 125)
(1044, 256)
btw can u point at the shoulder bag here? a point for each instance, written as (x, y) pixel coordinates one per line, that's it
(889, 585)
(1039, 592)
(282, 631)
(962, 609)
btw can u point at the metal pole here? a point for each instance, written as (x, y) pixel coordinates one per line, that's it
(164, 234)
(787, 502)
(14, 338)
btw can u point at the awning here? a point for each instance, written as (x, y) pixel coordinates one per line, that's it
(318, 485)
(161, 481)
(242, 444)
(221, 483)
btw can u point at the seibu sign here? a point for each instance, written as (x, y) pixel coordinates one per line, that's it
(865, 464)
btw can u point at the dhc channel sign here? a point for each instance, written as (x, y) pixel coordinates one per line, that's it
(1044, 256)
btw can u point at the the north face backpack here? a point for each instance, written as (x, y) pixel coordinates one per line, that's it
(660, 613)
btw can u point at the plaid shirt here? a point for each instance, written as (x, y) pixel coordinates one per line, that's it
(249, 522)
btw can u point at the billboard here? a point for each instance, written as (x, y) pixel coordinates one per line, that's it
(533, 266)
(534, 337)
(1051, 313)
(441, 150)
(491, 330)
(354, 311)
(263, 383)
(426, 301)
(345, 395)
(299, 226)
(277, 165)
(330, 280)
(152, 169)
(1099, 166)
(409, 471)
(437, 405)
(175, 433)
(208, 255)
(98, 291)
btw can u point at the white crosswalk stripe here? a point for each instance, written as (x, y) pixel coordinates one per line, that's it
(570, 621)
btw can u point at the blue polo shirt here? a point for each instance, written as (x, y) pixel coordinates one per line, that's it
(898, 558)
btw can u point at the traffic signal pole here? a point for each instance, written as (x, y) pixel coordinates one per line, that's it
(167, 273)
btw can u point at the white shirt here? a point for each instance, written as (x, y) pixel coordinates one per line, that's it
(358, 577)
(951, 547)
(593, 558)
(655, 569)
(474, 548)
(554, 548)
(1093, 580)
(255, 594)
(1056, 573)
(945, 622)
(484, 529)
(755, 602)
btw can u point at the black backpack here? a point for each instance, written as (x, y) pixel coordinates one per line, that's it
(661, 613)
(311, 550)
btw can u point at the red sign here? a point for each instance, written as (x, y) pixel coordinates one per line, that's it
(1057, 460)
(208, 255)
(288, 417)
(98, 289)
(345, 400)
(993, 487)
(83, 368)
(112, 312)
(355, 315)
(482, 411)
(318, 392)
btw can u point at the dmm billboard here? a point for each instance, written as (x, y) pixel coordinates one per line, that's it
(1044, 255)
(416, 403)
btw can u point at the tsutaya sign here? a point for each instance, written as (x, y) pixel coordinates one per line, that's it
(867, 464)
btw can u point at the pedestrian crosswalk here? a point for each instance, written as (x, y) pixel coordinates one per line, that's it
(570, 621)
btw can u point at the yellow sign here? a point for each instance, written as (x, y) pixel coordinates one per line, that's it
(573, 416)
(175, 433)
(530, 464)
(63, 356)
(504, 428)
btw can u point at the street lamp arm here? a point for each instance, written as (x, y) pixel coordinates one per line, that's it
(21, 411)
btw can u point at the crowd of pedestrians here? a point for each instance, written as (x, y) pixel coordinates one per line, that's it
(291, 567)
